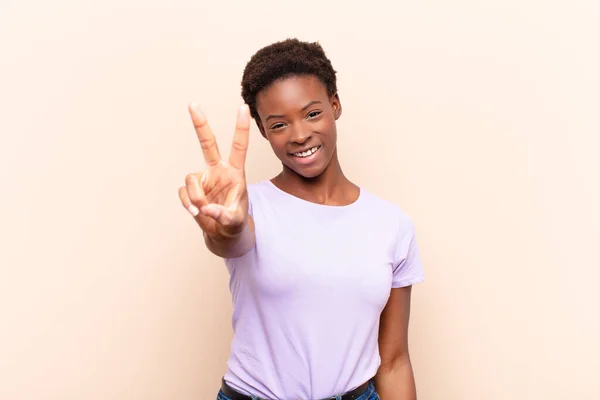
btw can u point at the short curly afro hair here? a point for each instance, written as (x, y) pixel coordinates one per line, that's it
(283, 59)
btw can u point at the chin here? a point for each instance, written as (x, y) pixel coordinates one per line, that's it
(311, 172)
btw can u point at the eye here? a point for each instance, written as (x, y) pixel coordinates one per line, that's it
(313, 114)
(278, 125)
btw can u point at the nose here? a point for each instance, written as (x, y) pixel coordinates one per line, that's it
(300, 133)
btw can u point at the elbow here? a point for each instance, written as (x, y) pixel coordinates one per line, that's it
(393, 363)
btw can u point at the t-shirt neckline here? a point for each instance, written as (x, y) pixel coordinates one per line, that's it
(361, 193)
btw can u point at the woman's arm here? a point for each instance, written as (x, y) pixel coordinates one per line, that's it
(395, 379)
(234, 245)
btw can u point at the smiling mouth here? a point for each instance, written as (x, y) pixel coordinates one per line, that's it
(307, 153)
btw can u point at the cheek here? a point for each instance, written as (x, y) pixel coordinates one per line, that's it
(327, 129)
(277, 146)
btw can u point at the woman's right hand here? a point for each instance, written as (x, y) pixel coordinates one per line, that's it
(217, 198)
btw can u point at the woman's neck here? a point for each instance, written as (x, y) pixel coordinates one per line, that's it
(331, 187)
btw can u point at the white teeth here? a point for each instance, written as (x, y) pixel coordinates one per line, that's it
(307, 152)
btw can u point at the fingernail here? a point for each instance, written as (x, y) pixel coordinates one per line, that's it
(244, 110)
(193, 210)
(196, 108)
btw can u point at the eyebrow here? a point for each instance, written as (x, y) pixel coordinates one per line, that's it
(303, 109)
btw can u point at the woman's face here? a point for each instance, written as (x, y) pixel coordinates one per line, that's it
(297, 117)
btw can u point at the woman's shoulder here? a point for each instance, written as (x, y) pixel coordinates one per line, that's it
(385, 210)
(381, 204)
(257, 185)
(259, 188)
(260, 192)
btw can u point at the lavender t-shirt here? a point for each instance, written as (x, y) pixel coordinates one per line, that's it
(307, 298)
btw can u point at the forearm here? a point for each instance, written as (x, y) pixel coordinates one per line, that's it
(395, 381)
(232, 246)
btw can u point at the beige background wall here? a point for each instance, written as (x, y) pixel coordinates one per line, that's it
(479, 118)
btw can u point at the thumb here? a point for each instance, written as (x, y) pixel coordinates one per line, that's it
(223, 215)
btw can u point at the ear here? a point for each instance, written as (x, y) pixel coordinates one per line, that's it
(336, 105)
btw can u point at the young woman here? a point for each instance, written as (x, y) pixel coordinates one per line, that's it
(321, 269)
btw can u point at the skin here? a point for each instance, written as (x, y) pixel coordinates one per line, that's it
(295, 114)
(395, 379)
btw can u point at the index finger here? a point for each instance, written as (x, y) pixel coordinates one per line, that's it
(208, 142)
(241, 137)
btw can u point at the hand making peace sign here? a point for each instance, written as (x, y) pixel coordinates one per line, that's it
(217, 197)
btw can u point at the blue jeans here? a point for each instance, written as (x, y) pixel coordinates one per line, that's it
(369, 394)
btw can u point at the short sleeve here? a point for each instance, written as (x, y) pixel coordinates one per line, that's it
(407, 269)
